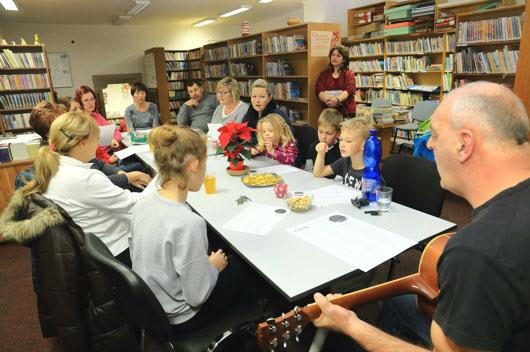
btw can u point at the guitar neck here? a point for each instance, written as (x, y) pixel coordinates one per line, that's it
(408, 284)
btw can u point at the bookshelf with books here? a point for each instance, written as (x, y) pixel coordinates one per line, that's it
(366, 21)
(246, 61)
(487, 45)
(215, 64)
(24, 82)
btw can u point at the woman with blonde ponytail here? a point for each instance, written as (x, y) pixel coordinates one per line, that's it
(169, 245)
(63, 175)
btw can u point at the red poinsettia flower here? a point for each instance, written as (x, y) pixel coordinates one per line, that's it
(233, 140)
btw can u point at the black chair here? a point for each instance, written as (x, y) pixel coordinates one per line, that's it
(305, 136)
(143, 310)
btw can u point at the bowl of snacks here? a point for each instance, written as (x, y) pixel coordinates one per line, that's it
(299, 201)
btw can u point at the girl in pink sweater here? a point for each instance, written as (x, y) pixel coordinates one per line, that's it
(275, 140)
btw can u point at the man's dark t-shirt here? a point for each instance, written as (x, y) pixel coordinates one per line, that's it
(350, 176)
(484, 276)
(332, 155)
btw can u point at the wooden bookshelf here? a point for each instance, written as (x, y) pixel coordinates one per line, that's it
(521, 86)
(38, 90)
(359, 26)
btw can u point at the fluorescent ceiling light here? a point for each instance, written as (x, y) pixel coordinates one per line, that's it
(136, 6)
(120, 20)
(9, 5)
(240, 9)
(265, 1)
(204, 22)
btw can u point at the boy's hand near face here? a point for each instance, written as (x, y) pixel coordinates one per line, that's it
(322, 148)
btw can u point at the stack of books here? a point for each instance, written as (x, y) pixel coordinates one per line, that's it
(423, 15)
(283, 43)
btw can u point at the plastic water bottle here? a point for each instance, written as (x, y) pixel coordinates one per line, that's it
(371, 175)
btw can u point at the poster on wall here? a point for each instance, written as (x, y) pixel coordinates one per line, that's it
(322, 41)
(150, 70)
(60, 70)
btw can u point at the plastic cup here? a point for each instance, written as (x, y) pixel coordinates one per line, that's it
(383, 197)
(209, 182)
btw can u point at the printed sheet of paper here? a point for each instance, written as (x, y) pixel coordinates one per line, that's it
(247, 220)
(277, 169)
(334, 194)
(134, 149)
(106, 134)
(353, 241)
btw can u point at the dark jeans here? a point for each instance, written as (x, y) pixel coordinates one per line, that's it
(402, 318)
(225, 295)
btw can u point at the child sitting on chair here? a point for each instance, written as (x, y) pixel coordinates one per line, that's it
(169, 246)
(328, 132)
(275, 140)
(350, 166)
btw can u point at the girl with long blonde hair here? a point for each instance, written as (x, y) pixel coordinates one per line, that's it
(276, 140)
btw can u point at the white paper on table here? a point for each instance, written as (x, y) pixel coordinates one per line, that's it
(213, 132)
(334, 194)
(134, 149)
(246, 221)
(106, 134)
(277, 169)
(353, 241)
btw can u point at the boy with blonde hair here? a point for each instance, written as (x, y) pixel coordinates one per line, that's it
(328, 132)
(350, 166)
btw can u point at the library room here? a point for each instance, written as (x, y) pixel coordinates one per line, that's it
(264, 175)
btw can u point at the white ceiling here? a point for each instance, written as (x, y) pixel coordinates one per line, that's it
(160, 12)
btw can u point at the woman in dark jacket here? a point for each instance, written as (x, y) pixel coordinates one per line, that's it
(262, 104)
(75, 302)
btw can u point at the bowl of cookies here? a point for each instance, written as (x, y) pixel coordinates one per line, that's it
(299, 201)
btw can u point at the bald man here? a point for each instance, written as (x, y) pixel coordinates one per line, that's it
(480, 141)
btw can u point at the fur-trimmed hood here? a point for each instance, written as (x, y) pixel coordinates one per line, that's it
(26, 218)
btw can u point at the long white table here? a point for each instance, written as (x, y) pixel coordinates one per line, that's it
(293, 266)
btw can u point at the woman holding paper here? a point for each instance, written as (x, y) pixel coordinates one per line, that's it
(230, 108)
(335, 86)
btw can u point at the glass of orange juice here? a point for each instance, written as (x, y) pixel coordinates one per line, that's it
(209, 182)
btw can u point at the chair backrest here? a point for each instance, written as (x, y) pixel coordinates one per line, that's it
(305, 136)
(381, 103)
(415, 181)
(138, 301)
(423, 110)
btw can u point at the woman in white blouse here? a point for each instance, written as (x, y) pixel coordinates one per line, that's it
(230, 108)
(63, 174)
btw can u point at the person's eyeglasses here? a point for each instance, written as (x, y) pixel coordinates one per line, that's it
(223, 93)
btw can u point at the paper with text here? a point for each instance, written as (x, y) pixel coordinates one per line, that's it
(106, 134)
(334, 194)
(257, 219)
(353, 241)
(277, 169)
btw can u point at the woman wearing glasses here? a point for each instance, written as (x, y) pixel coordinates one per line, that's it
(230, 108)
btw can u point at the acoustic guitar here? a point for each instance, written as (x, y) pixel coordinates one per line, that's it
(276, 332)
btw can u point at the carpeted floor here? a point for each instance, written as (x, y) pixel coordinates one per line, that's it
(19, 327)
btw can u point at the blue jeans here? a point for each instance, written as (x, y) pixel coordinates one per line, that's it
(402, 318)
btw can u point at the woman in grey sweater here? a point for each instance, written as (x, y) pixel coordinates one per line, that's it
(141, 114)
(230, 108)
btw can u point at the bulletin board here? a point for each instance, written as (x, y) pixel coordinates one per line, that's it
(60, 70)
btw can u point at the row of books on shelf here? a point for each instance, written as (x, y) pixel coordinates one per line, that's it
(397, 97)
(245, 87)
(242, 69)
(24, 81)
(284, 43)
(473, 61)
(176, 65)
(194, 54)
(177, 75)
(367, 96)
(9, 59)
(449, 59)
(195, 65)
(285, 90)
(12, 121)
(176, 55)
(219, 53)
(177, 94)
(409, 64)
(211, 86)
(279, 68)
(447, 81)
(445, 23)
(369, 65)
(175, 85)
(369, 80)
(368, 16)
(366, 49)
(196, 74)
(402, 81)
(244, 49)
(22, 100)
(215, 71)
(18, 151)
(419, 45)
(495, 29)
(175, 104)
(292, 114)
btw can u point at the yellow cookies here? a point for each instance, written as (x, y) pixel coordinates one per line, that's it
(261, 180)
(302, 203)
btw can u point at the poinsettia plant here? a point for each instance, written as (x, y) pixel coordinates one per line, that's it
(235, 141)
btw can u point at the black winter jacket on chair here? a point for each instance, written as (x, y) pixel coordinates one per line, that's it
(75, 301)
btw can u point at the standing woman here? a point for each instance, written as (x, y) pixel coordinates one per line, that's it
(230, 108)
(262, 104)
(335, 86)
(141, 114)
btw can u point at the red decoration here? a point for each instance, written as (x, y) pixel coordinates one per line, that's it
(235, 143)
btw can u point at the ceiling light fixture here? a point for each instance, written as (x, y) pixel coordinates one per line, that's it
(240, 9)
(136, 6)
(265, 1)
(9, 5)
(118, 20)
(204, 22)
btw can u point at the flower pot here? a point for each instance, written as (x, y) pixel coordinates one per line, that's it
(237, 166)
